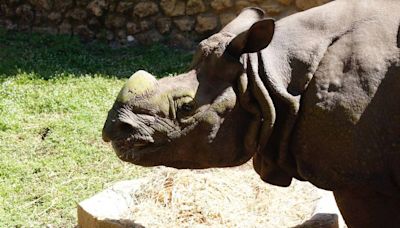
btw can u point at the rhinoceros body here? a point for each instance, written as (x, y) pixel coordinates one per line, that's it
(314, 96)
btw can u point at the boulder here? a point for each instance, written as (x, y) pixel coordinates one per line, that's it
(97, 7)
(173, 8)
(195, 7)
(184, 24)
(221, 4)
(206, 23)
(163, 25)
(307, 4)
(144, 9)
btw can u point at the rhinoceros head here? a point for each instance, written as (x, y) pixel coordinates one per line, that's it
(203, 118)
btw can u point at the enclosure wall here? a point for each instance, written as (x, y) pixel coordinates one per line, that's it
(176, 22)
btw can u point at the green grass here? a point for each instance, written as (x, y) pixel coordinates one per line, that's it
(54, 96)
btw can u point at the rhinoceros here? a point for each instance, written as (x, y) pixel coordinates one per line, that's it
(314, 96)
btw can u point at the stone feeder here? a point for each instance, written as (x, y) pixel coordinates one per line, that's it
(108, 208)
(111, 207)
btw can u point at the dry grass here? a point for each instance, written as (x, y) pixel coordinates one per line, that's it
(231, 197)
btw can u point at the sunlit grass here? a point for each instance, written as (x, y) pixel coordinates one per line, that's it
(54, 97)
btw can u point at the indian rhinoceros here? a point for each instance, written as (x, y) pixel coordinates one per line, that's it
(314, 96)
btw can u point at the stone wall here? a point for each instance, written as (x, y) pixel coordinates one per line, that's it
(176, 22)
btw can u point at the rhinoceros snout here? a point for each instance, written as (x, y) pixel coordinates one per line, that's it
(137, 85)
(115, 129)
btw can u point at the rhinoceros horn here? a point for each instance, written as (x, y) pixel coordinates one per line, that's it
(138, 84)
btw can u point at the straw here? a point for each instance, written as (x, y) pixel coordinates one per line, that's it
(226, 197)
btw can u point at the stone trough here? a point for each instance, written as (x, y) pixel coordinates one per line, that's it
(108, 208)
(115, 207)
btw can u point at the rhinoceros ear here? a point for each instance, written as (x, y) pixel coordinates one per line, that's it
(246, 18)
(255, 39)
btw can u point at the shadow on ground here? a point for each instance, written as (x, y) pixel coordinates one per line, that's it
(49, 56)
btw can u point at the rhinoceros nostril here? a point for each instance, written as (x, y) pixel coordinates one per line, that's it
(124, 129)
(116, 130)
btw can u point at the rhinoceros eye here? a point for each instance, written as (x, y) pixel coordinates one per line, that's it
(187, 107)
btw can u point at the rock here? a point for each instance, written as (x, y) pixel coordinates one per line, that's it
(288, 11)
(179, 9)
(124, 7)
(121, 34)
(168, 6)
(84, 32)
(221, 4)
(55, 17)
(25, 13)
(241, 4)
(195, 7)
(144, 9)
(149, 37)
(62, 5)
(130, 38)
(40, 18)
(42, 4)
(285, 2)
(179, 40)
(78, 14)
(13, 2)
(82, 3)
(184, 24)
(307, 4)
(272, 8)
(94, 24)
(65, 28)
(112, 6)
(173, 8)
(146, 25)
(97, 7)
(206, 23)
(163, 25)
(225, 18)
(256, 1)
(132, 28)
(6, 11)
(114, 21)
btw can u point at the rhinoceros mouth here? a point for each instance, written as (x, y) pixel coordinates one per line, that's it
(131, 151)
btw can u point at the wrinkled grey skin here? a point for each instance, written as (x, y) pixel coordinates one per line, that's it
(318, 102)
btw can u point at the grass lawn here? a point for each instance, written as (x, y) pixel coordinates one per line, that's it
(54, 97)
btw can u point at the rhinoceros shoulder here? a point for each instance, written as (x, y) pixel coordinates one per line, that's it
(349, 113)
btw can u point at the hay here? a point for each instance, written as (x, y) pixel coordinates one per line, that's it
(230, 197)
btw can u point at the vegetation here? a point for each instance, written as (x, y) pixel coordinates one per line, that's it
(54, 96)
